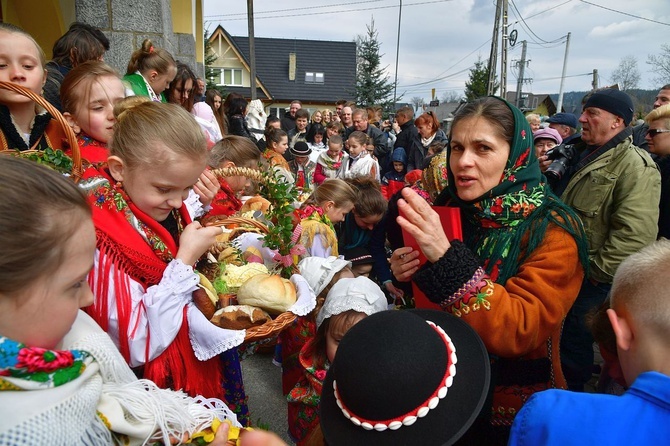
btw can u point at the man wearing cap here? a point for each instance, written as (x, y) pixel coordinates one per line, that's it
(566, 126)
(301, 166)
(614, 187)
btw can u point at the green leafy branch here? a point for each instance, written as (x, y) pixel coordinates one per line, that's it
(281, 195)
(54, 159)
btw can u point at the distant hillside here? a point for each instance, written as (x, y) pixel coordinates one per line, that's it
(642, 99)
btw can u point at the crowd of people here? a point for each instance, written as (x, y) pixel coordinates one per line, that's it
(562, 248)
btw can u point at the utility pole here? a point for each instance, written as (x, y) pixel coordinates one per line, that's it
(503, 58)
(521, 65)
(493, 57)
(252, 47)
(397, 54)
(559, 106)
(594, 83)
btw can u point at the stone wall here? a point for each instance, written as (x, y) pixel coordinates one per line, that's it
(126, 23)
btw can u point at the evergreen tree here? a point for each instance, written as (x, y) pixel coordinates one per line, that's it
(476, 87)
(373, 86)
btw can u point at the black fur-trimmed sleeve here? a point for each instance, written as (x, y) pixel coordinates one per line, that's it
(445, 277)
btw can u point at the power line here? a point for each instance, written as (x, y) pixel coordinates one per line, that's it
(439, 78)
(554, 78)
(525, 25)
(244, 14)
(341, 11)
(625, 13)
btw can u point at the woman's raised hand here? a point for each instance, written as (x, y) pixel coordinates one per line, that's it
(195, 240)
(207, 187)
(422, 223)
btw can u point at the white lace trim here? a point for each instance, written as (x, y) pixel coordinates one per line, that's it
(306, 298)
(194, 205)
(207, 339)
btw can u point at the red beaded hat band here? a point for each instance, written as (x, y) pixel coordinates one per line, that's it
(422, 410)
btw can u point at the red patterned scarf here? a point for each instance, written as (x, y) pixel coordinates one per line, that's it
(225, 202)
(126, 253)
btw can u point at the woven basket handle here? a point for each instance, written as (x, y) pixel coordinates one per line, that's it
(69, 134)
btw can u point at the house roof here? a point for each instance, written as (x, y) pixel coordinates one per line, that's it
(337, 60)
(445, 110)
(534, 98)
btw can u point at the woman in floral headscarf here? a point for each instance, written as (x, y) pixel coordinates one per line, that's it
(520, 266)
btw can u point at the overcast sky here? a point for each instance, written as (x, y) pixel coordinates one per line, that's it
(440, 40)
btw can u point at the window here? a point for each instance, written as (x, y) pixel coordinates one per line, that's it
(277, 111)
(231, 77)
(314, 78)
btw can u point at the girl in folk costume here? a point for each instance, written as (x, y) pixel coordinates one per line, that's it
(360, 163)
(88, 95)
(347, 303)
(328, 204)
(23, 124)
(232, 151)
(277, 145)
(150, 71)
(321, 274)
(316, 136)
(143, 277)
(332, 162)
(274, 154)
(62, 379)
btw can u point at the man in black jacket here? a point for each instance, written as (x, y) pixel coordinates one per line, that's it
(360, 123)
(288, 121)
(404, 128)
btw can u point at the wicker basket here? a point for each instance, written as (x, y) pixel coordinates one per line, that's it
(69, 134)
(252, 174)
(274, 327)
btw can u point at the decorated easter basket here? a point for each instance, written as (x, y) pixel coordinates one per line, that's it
(50, 157)
(244, 224)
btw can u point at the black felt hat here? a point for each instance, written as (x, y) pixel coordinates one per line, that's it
(397, 379)
(300, 148)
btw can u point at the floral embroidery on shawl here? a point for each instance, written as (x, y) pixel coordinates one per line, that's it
(49, 368)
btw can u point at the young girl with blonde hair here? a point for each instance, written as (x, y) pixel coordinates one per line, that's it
(147, 245)
(62, 379)
(330, 202)
(150, 71)
(88, 95)
(23, 124)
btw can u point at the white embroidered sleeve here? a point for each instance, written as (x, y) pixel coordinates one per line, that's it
(159, 308)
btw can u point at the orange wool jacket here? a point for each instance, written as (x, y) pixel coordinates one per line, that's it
(520, 322)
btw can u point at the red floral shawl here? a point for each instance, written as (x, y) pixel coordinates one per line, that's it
(127, 254)
(91, 149)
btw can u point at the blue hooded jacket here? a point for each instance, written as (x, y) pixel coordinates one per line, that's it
(399, 156)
